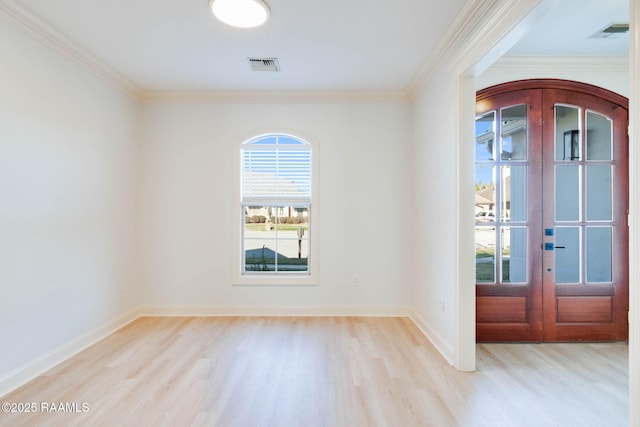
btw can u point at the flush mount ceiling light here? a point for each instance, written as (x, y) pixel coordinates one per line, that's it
(240, 13)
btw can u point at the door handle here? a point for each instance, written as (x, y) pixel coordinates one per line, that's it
(550, 246)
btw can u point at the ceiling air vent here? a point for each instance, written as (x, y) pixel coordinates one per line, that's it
(612, 31)
(264, 64)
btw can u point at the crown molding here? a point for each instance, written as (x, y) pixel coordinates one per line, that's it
(38, 29)
(483, 32)
(35, 27)
(468, 18)
(276, 97)
(464, 38)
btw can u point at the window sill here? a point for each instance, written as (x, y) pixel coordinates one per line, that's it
(274, 280)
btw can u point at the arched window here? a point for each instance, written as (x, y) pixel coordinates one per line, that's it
(276, 199)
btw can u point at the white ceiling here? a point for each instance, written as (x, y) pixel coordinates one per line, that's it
(567, 30)
(329, 45)
(355, 45)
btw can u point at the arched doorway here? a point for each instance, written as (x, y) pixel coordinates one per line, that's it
(552, 205)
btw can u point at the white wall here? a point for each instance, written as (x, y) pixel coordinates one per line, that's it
(435, 192)
(436, 156)
(437, 271)
(190, 152)
(67, 197)
(609, 73)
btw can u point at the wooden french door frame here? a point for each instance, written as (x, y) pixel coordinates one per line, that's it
(514, 312)
(595, 311)
(532, 311)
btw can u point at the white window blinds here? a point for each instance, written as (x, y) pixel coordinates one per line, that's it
(276, 169)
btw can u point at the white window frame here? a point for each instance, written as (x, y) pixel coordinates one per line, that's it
(239, 276)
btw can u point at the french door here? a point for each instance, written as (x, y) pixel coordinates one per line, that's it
(551, 213)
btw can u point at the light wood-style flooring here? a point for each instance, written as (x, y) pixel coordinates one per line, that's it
(321, 371)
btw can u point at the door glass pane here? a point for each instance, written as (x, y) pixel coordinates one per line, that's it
(567, 250)
(598, 138)
(485, 136)
(485, 254)
(567, 193)
(514, 133)
(598, 242)
(485, 193)
(567, 133)
(514, 193)
(598, 183)
(514, 254)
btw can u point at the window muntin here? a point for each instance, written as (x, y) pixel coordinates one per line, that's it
(276, 195)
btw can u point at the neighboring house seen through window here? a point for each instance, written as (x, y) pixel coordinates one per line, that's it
(276, 205)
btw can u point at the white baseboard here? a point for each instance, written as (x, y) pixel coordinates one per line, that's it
(255, 310)
(438, 342)
(19, 376)
(14, 379)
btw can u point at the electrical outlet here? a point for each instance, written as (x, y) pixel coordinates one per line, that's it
(356, 281)
(441, 305)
